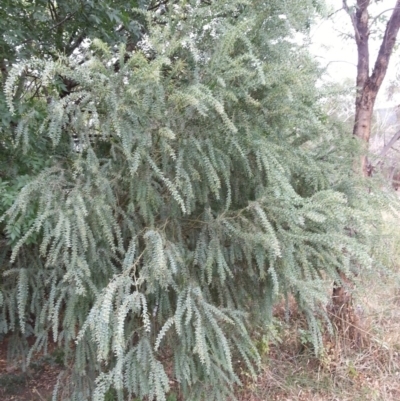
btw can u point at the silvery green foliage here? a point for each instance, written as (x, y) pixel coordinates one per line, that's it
(198, 189)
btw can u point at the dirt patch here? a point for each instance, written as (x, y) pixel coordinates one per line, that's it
(36, 383)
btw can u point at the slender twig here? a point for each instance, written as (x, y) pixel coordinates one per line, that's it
(53, 10)
(37, 392)
(36, 91)
(157, 5)
(67, 17)
(334, 12)
(328, 17)
(78, 41)
(341, 61)
(352, 17)
(387, 147)
(383, 12)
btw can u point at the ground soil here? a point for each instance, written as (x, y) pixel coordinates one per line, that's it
(33, 384)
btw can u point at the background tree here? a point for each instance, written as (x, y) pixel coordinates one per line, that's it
(368, 83)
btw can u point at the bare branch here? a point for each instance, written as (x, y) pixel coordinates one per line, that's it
(341, 61)
(389, 145)
(53, 10)
(334, 12)
(67, 17)
(353, 19)
(157, 5)
(383, 12)
(74, 45)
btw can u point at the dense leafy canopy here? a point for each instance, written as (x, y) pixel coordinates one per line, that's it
(48, 30)
(171, 194)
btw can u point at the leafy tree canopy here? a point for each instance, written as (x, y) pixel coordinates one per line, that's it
(50, 30)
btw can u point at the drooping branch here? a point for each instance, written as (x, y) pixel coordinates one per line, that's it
(387, 147)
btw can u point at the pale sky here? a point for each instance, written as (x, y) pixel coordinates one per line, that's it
(332, 48)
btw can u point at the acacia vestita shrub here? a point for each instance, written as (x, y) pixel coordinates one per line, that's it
(187, 189)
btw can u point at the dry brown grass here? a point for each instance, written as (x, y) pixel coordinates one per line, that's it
(367, 372)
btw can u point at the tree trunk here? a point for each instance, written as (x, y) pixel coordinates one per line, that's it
(362, 129)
